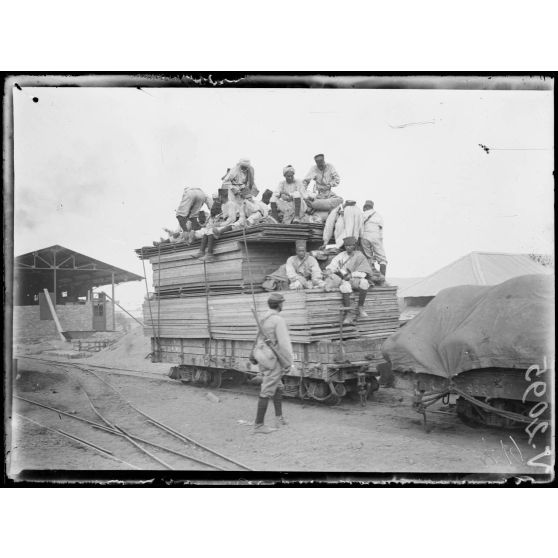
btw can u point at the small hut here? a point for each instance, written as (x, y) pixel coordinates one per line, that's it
(69, 279)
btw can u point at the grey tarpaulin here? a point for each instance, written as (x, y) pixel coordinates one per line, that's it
(510, 325)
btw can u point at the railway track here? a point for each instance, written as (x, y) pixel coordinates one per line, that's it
(235, 388)
(117, 423)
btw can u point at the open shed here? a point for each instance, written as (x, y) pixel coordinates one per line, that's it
(70, 278)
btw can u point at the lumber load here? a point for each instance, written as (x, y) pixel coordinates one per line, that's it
(269, 233)
(311, 315)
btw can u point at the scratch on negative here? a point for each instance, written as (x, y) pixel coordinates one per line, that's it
(209, 80)
(413, 124)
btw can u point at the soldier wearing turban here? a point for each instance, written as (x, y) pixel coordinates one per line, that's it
(303, 270)
(288, 200)
(348, 271)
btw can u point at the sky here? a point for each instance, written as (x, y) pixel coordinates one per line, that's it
(102, 170)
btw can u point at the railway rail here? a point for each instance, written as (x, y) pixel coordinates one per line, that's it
(212, 459)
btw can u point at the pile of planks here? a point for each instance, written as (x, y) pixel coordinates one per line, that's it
(177, 273)
(268, 233)
(311, 316)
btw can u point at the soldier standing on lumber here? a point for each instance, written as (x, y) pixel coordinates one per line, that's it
(189, 208)
(273, 363)
(347, 271)
(303, 270)
(289, 198)
(372, 237)
(343, 221)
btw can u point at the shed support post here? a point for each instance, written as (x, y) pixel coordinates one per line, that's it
(113, 306)
(54, 260)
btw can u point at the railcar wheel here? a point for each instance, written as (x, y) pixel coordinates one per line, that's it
(320, 391)
(215, 379)
(200, 376)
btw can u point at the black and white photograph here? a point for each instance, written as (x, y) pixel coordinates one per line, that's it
(285, 276)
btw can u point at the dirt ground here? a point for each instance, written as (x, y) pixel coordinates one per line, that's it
(386, 436)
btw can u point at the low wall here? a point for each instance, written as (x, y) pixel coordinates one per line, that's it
(73, 317)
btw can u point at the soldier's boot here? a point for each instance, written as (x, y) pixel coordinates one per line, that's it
(297, 204)
(203, 246)
(274, 211)
(210, 245)
(223, 196)
(195, 223)
(277, 403)
(217, 233)
(383, 269)
(347, 309)
(361, 299)
(259, 426)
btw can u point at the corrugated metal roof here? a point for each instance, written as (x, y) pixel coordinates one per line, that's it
(476, 268)
(66, 260)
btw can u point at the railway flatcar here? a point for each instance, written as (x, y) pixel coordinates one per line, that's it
(492, 347)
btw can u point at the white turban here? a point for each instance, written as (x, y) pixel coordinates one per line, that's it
(288, 168)
(244, 162)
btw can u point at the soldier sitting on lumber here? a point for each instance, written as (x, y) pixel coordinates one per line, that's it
(322, 199)
(239, 181)
(189, 208)
(223, 216)
(347, 271)
(227, 216)
(289, 198)
(273, 363)
(303, 271)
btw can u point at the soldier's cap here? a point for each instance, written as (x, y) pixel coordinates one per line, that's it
(276, 297)
(369, 203)
(319, 155)
(350, 241)
(300, 244)
(350, 202)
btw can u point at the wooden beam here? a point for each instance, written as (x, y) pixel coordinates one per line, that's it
(54, 316)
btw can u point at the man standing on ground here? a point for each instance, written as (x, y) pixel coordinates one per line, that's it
(275, 333)
(189, 208)
(372, 236)
(347, 271)
(303, 270)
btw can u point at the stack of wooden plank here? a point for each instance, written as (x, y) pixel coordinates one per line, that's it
(268, 233)
(177, 273)
(311, 315)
